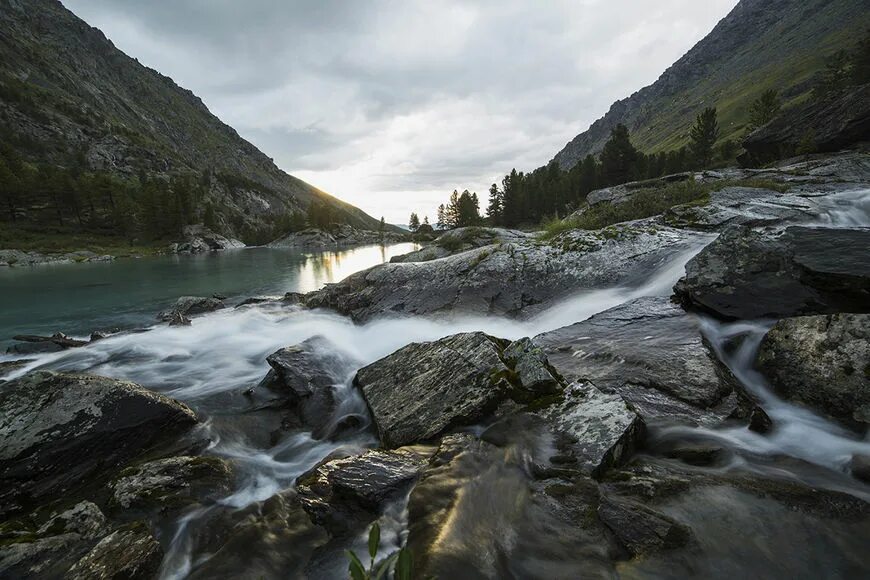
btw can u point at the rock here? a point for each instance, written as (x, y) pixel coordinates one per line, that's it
(341, 493)
(463, 239)
(746, 274)
(760, 421)
(33, 344)
(860, 467)
(199, 238)
(188, 305)
(651, 353)
(170, 484)
(424, 389)
(530, 363)
(270, 539)
(306, 376)
(822, 362)
(340, 235)
(130, 553)
(640, 529)
(257, 300)
(50, 549)
(178, 319)
(597, 429)
(517, 278)
(831, 124)
(61, 430)
(11, 365)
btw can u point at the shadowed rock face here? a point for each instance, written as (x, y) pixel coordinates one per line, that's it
(188, 305)
(651, 353)
(60, 430)
(424, 389)
(746, 274)
(822, 362)
(129, 552)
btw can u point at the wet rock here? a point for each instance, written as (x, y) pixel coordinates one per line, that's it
(696, 453)
(640, 529)
(517, 278)
(532, 368)
(596, 428)
(651, 353)
(822, 362)
(189, 305)
(199, 238)
(270, 539)
(7, 366)
(33, 344)
(460, 240)
(305, 376)
(170, 484)
(178, 319)
(426, 388)
(130, 552)
(31, 550)
(746, 274)
(760, 421)
(59, 430)
(341, 493)
(860, 467)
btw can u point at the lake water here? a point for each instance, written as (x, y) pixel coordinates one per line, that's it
(79, 298)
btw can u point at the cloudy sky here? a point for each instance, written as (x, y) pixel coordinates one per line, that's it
(391, 105)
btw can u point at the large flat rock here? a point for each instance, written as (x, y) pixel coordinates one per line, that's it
(746, 274)
(58, 430)
(822, 362)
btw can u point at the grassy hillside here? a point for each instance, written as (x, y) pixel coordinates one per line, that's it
(761, 44)
(72, 105)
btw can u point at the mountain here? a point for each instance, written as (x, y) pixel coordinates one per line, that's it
(760, 44)
(72, 103)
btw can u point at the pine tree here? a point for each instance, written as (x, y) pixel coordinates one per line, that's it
(764, 108)
(495, 209)
(619, 157)
(704, 134)
(414, 222)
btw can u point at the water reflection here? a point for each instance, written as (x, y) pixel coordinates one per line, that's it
(322, 268)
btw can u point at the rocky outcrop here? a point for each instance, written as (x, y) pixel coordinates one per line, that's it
(640, 529)
(822, 362)
(460, 240)
(60, 431)
(31, 344)
(170, 484)
(512, 278)
(349, 492)
(304, 377)
(17, 258)
(198, 239)
(424, 389)
(651, 353)
(339, 235)
(190, 305)
(747, 274)
(822, 125)
(130, 552)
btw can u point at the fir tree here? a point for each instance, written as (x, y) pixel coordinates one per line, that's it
(704, 134)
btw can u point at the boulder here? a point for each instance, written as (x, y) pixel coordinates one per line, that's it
(829, 124)
(343, 492)
(189, 305)
(305, 376)
(650, 352)
(822, 362)
(515, 278)
(860, 467)
(198, 239)
(425, 389)
(170, 484)
(61, 430)
(746, 274)
(128, 553)
(641, 529)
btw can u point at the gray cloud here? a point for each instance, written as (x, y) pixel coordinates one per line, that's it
(391, 104)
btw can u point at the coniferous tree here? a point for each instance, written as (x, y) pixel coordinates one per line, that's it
(414, 222)
(495, 209)
(764, 108)
(703, 135)
(619, 157)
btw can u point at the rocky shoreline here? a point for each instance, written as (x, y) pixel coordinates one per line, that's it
(642, 441)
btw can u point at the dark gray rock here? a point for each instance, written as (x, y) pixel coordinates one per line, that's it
(198, 238)
(170, 484)
(860, 467)
(130, 552)
(747, 274)
(341, 493)
(822, 362)
(651, 353)
(640, 529)
(58, 431)
(178, 319)
(424, 389)
(516, 278)
(189, 305)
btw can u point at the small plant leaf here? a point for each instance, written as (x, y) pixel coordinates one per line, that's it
(384, 566)
(356, 568)
(404, 564)
(374, 540)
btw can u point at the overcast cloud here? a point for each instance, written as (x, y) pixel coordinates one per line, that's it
(391, 105)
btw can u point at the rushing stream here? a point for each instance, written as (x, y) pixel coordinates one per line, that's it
(209, 364)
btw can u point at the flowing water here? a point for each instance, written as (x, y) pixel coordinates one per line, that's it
(209, 364)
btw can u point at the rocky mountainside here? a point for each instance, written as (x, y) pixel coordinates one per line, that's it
(69, 98)
(760, 44)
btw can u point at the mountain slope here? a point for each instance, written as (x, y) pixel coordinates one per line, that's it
(760, 44)
(68, 97)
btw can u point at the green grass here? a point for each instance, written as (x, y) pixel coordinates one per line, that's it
(59, 242)
(651, 201)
